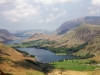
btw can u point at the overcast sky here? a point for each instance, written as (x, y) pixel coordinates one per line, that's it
(43, 14)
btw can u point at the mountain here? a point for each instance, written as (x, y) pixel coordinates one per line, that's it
(77, 35)
(5, 35)
(30, 32)
(80, 35)
(14, 63)
(66, 26)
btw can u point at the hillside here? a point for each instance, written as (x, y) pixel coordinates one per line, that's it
(38, 36)
(13, 62)
(5, 35)
(66, 26)
(93, 47)
(80, 35)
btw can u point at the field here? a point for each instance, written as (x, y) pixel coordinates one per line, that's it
(76, 64)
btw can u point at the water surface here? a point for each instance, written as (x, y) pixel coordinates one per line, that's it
(43, 55)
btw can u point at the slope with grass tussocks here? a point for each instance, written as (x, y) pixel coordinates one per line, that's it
(15, 63)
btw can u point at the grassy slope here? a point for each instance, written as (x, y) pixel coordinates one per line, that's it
(75, 67)
(13, 62)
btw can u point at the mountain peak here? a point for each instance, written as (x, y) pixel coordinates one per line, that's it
(93, 20)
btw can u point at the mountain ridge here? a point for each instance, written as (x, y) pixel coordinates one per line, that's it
(93, 20)
(30, 32)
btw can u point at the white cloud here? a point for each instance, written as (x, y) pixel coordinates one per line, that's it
(40, 21)
(93, 12)
(96, 2)
(21, 10)
(55, 9)
(52, 17)
(12, 2)
(94, 8)
(89, 8)
(2, 1)
(49, 2)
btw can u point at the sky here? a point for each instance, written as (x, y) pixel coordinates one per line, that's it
(18, 15)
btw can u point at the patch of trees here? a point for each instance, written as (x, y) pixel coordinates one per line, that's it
(88, 55)
(33, 56)
(76, 49)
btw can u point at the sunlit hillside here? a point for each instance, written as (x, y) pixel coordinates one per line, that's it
(14, 63)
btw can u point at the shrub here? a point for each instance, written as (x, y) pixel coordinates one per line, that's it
(33, 56)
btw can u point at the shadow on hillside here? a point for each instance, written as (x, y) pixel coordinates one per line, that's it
(29, 64)
(2, 73)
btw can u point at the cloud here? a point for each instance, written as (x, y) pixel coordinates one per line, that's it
(52, 17)
(40, 21)
(55, 9)
(16, 10)
(21, 10)
(50, 2)
(96, 2)
(89, 8)
(2, 1)
(12, 2)
(94, 12)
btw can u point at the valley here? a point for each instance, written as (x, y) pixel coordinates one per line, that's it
(49, 37)
(73, 49)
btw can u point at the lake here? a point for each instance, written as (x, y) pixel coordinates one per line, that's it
(42, 55)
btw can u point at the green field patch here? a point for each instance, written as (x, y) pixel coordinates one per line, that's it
(76, 64)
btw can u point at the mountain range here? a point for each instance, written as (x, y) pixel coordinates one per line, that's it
(30, 32)
(81, 29)
(74, 33)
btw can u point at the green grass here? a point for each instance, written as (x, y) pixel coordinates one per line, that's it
(78, 65)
